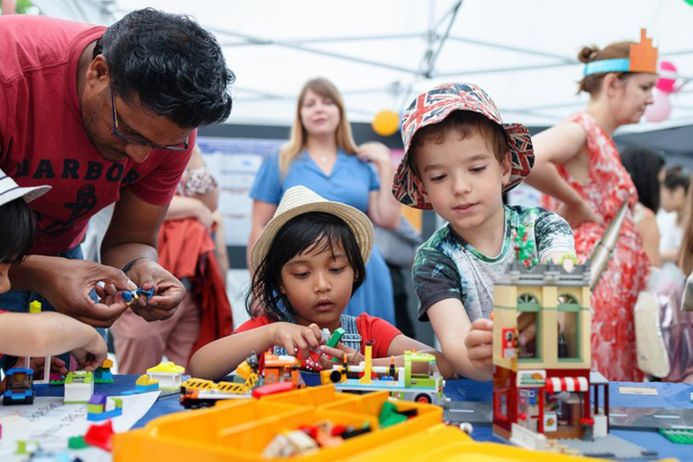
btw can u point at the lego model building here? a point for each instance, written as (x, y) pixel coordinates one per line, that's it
(543, 386)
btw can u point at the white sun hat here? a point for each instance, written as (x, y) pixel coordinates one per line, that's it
(10, 190)
(299, 200)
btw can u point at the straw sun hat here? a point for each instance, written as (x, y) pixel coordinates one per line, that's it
(299, 200)
(10, 190)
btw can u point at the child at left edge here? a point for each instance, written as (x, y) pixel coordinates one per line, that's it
(309, 259)
(40, 334)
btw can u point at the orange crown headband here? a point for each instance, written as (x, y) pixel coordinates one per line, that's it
(643, 58)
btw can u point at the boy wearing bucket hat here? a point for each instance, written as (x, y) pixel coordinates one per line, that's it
(44, 333)
(459, 159)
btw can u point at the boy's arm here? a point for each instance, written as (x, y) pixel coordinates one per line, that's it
(554, 237)
(48, 333)
(452, 327)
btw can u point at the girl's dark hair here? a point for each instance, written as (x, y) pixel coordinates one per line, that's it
(677, 178)
(315, 231)
(644, 166)
(17, 225)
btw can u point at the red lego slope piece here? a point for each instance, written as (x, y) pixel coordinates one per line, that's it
(100, 435)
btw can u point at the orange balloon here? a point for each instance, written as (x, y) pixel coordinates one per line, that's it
(385, 123)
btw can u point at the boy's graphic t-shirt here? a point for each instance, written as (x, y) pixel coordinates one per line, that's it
(448, 267)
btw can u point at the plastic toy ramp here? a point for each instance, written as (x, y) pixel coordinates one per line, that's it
(241, 430)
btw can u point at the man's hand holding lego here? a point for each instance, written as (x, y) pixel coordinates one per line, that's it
(66, 284)
(168, 290)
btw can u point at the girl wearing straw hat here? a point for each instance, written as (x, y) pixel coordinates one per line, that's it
(46, 333)
(308, 261)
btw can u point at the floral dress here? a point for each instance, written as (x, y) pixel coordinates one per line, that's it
(614, 352)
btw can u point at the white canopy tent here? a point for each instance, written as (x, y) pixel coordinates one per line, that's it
(381, 53)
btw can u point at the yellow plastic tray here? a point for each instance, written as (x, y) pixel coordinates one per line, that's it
(239, 430)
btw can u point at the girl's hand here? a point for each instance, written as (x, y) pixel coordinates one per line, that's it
(297, 340)
(353, 357)
(479, 343)
(92, 354)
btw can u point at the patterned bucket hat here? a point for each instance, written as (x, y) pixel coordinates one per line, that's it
(434, 106)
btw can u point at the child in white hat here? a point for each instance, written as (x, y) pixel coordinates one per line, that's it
(309, 259)
(40, 334)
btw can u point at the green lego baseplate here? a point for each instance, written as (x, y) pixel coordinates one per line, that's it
(678, 435)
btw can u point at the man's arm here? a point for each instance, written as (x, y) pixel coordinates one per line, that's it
(132, 237)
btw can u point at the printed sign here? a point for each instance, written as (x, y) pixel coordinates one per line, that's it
(535, 378)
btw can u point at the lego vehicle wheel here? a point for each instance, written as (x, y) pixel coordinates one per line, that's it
(423, 398)
(467, 428)
(335, 376)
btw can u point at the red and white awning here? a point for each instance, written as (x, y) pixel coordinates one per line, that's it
(556, 384)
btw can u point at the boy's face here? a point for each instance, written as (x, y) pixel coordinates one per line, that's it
(318, 285)
(462, 179)
(4, 277)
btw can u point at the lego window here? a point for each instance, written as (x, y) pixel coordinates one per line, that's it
(568, 299)
(528, 302)
(529, 329)
(568, 335)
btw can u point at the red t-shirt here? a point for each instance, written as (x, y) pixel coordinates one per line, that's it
(44, 141)
(381, 332)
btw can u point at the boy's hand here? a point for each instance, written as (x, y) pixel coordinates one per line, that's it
(353, 357)
(479, 344)
(527, 331)
(91, 355)
(296, 340)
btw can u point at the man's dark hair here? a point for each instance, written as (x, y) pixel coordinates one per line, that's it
(175, 67)
(644, 166)
(312, 231)
(17, 225)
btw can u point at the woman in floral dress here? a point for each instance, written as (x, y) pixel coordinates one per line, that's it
(579, 168)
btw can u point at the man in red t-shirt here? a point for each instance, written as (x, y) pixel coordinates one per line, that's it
(103, 116)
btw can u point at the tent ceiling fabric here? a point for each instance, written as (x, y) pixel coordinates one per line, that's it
(382, 53)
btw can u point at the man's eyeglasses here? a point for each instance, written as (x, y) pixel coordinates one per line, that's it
(139, 139)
